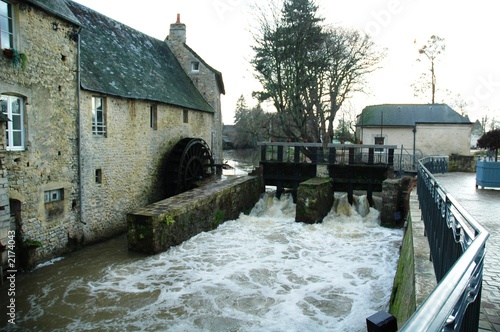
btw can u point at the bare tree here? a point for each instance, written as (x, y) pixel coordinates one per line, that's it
(346, 128)
(307, 69)
(352, 56)
(435, 46)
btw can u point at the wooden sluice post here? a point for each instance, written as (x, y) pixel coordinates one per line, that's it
(263, 152)
(332, 155)
(296, 154)
(280, 153)
(371, 156)
(351, 155)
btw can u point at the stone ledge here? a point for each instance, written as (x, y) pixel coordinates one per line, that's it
(169, 222)
(415, 278)
(425, 278)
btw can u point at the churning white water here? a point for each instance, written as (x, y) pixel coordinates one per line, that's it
(262, 272)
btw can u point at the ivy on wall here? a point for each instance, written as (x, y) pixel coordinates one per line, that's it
(19, 60)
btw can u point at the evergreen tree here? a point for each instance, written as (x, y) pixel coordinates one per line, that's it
(251, 125)
(491, 141)
(286, 59)
(308, 70)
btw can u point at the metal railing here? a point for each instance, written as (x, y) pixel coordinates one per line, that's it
(334, 153)
(407, 161)
(457, 244)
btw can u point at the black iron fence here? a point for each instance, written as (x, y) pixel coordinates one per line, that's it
(457, 244)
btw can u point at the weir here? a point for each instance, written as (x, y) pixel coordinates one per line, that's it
(350, 166)
(261, 272)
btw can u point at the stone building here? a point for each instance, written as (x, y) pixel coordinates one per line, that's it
(206, 79)
(38, 88)
(5, 227)
(99, 106)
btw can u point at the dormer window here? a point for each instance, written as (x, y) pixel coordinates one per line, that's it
(195, 67)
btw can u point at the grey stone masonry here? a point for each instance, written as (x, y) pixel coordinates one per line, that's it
(47, 86)
(70, 184)
(169, 222)
(177, 31)
(392, 213)
(5, 225)
(206, 79)
(314, 200)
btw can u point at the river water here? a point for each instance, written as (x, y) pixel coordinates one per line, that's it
(261, 272)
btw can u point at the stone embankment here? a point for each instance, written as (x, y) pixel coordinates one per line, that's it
(415, 278)
(169, 222)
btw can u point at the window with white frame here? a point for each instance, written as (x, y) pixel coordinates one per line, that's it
(98, 116)
(13, 108)
(6, 25)
(195, 66)
(54, 204)
(53, 195)
(379, 140)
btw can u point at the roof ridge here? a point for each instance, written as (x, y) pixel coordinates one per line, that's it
(119, 60)
(409, 115)
(409, 104)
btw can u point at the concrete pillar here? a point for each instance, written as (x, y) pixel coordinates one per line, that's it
(391, 213)
(314, 200)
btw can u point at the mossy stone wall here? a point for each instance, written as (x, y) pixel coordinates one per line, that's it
(314, 200)
(457, 163)
(169, 222)
(402, 304)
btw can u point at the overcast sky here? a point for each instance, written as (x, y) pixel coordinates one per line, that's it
(219, 31)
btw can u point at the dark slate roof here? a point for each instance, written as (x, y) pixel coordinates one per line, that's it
(120, 61)
(407, 115)
(57, 8)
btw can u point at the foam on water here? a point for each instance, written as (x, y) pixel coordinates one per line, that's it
(50, 262)
(262, 272)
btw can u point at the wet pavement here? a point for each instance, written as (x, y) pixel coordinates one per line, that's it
(484, 206)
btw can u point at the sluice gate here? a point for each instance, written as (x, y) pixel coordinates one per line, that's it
(350, 166)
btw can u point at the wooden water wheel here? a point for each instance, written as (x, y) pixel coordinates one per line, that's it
(189, 162)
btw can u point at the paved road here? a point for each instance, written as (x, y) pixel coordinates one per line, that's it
(484, 206)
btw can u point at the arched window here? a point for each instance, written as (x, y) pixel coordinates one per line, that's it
(13, 108)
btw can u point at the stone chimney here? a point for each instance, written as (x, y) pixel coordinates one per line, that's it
(177, 31)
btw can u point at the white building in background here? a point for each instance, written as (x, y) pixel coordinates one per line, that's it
(430, 129)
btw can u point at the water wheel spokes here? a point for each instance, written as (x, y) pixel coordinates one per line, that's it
(188, 162)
